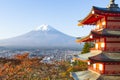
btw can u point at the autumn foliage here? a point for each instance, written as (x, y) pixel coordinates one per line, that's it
(21, 67)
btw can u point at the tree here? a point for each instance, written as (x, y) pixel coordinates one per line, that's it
(86, 48)
(79, 66)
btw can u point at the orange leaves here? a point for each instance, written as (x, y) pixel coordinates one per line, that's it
(24, 68)
(22, 56)
(18, 70)
(6, 65)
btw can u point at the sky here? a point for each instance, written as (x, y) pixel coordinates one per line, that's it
(18, 17)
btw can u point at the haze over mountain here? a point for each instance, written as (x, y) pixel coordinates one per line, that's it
(43, 36)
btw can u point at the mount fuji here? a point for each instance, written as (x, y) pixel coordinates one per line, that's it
(43, 36)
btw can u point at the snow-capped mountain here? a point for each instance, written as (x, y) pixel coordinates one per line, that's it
(43, 36)
(43, 27)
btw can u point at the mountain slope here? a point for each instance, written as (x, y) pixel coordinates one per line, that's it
(44, 36)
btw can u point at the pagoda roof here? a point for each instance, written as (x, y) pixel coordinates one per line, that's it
(97, 34)
(90, 19)
(106, 33)
(109, 10)
(84, 39)
(85, 75)
(97, 13)
(85, 57)
(106, 57)
(91, 75)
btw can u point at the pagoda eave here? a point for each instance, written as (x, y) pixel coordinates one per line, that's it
(98, 13)
(91, 19)
(84, 39)
(95, 35)
(106, 33)
(106, 57)
(106, 11)
(85, 57)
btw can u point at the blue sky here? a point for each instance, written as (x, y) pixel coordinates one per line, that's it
(21, 16)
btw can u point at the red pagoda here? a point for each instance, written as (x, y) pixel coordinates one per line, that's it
(104, 58)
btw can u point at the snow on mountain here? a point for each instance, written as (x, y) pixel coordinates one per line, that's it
(43, 36)
(43, 27)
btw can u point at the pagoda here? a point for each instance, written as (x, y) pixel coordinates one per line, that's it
(104, 58)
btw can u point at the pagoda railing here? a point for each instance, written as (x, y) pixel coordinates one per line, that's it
(98, 29)
(94, 50)
(96, 70)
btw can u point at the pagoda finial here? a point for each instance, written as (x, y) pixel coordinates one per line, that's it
(112, 4)
(112, 1)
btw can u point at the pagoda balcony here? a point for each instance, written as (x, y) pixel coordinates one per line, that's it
(99, 28)
(94, 50)
(95, 70)
(96, 29)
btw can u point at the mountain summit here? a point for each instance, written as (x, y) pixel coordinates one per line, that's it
(43, 36)
(43, 27)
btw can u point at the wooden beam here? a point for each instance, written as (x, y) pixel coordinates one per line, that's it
(112, 41)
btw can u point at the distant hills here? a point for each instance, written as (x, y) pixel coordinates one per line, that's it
(43, 36)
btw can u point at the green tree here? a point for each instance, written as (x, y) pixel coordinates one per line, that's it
(79, 66)
(86, 48)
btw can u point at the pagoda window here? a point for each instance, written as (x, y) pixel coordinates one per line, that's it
(102, 45)
(96, 46)
(98, 67)
(93, 12)
(91, 36)
(98, 26)
(99, 46)
(94, 66)
(103, 23)
(101, 67)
